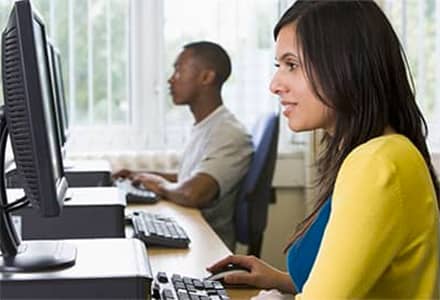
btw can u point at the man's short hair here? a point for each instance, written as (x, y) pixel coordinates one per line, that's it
(213, 56)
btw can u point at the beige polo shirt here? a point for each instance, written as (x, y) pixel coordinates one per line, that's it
(221, 147)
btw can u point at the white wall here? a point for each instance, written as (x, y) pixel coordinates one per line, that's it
(288, 210)
(284, 215)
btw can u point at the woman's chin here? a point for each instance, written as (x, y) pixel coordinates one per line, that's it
(296, 128)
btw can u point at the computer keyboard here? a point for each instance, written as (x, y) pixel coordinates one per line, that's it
(179, 287)
(136, 194)
(158, 230)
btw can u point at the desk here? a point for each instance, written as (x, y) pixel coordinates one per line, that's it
(204, 249)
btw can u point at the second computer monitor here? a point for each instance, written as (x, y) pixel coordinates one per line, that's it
(29, 111)
(61, 111)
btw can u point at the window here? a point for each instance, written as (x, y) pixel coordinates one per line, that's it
(118, 55)
(92, 37)
(418, 26)
(93, 40)
(244, 29)
(167, 26)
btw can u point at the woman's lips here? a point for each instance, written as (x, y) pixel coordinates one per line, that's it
(288, 108)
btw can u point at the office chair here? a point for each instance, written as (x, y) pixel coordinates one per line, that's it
(255, 191)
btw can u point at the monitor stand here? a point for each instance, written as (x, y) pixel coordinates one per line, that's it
(39, 255)
(104, 269)
(15, 255)
(88, 173)
(89, 213)
(79, 173)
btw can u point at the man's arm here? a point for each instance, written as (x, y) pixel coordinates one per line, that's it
(198, 191)
(171, 177)
(126, 173)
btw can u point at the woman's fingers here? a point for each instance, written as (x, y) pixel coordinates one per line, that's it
(241, 277)
(220, 264)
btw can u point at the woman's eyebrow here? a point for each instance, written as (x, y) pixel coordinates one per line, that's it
(286, 56)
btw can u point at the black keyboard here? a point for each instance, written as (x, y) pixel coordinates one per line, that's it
(186, 288)
(136, 194)
(158, 230)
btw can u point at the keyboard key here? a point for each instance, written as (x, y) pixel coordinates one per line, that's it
(162, 277)
(167, 294)
(182, 295)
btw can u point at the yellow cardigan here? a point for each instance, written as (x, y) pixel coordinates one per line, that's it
(382, 238)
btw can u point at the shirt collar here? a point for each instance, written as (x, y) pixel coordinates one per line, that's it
(219, 110)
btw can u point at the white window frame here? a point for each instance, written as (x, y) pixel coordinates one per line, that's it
(147, 89)
(146, 85)
(146, 82)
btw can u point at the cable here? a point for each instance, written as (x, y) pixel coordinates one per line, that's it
(17, 204)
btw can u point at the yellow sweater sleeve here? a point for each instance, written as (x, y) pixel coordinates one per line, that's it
(364, 231)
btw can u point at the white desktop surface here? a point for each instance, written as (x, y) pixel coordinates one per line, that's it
(78, 165)
(96, 258)
(205, 247)
(81, 196)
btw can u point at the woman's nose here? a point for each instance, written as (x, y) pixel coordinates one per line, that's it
(275, 85)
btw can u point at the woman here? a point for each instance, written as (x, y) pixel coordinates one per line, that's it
(374, 233)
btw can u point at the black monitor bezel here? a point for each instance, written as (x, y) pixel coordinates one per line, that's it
(56, 95)
(29, 117)
(39, 192)
(62, 93)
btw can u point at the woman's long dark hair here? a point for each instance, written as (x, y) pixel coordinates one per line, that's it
(356, 66)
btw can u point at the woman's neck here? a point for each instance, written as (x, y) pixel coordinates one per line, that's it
(389, 130)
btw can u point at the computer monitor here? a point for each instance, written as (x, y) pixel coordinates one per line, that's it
(56, 96)
(58, 93)
(28, 116)
(62, 94)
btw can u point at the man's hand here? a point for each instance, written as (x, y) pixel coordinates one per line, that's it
(150, 181)
(123, 173)
(198, 191)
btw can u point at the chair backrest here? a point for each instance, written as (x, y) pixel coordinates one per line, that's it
(255, 191)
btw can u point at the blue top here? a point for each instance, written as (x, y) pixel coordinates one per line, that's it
(302, 254)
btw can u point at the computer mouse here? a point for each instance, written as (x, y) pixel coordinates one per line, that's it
(227, 270)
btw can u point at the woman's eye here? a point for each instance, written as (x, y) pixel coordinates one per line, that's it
(288, 66)
(292, 66)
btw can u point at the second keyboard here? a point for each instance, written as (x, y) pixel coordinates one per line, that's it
(158, 230)
(136, 194)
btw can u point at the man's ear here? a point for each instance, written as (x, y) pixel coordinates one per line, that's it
(208, 77)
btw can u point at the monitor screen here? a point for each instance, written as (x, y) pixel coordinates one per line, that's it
(29, 116)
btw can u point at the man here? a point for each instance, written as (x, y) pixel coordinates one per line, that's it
(219, 150)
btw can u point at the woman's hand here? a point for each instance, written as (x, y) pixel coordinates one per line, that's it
(261, 275)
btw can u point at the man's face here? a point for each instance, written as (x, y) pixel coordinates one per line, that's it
(185, 80)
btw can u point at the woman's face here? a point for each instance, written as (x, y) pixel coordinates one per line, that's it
(301, 106)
